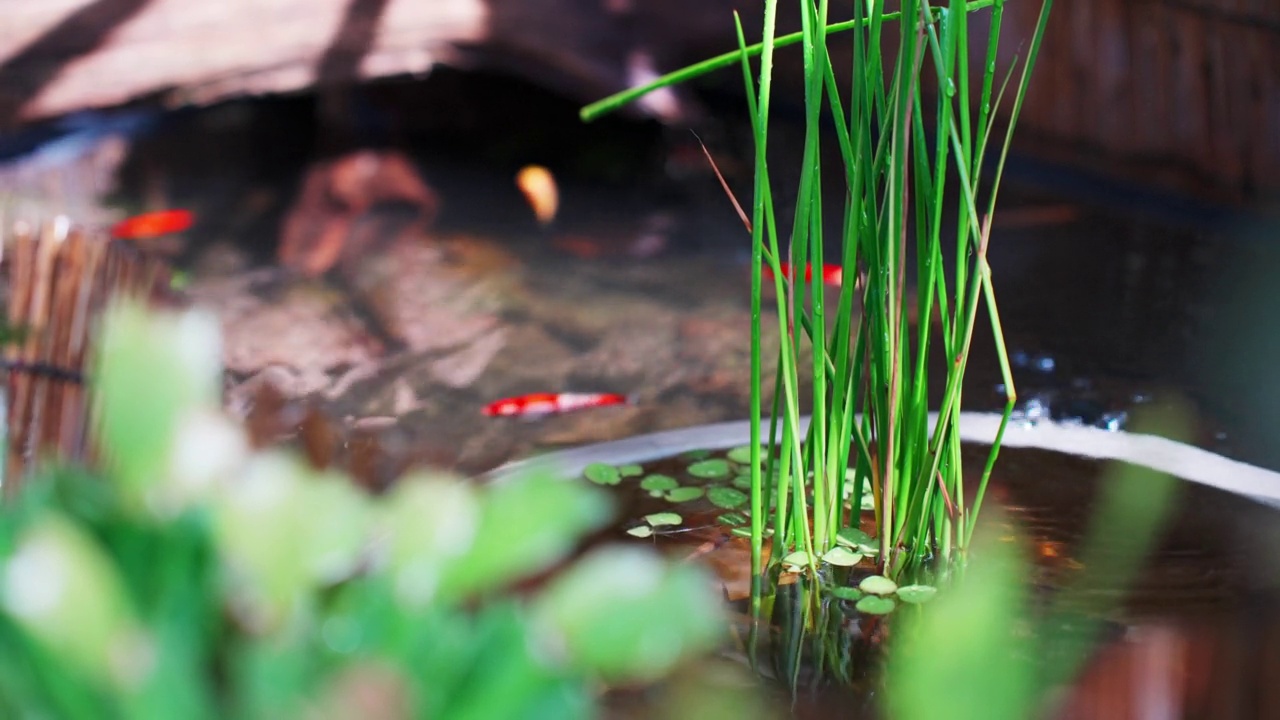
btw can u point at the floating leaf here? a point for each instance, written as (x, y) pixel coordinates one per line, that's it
(640, 531)
(853, 537)
(842, 556)
(696, 455)
(845, 593)
(798, 558)
(916, 594)
(726, 497)
(877, 585)
(602, 474)
(746, 532)
(683, 494)
(732, 519)
(710, 469)
(742, 481)
(875, 605)
(740, 455)
(659, 482)
(659, 519)
(630, 470)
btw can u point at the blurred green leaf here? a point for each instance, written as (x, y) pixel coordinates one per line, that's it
(286, 530)
(153, 370)
(964, 656)
(627, 614)
(526, 525)
(62, 589)
(430, 521)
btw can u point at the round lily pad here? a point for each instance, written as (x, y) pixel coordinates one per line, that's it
(877, 585)
(710, 469)
(696, 455)
(732, 519)
(875, 605)
(683, 494)
(659, 519)
(630, 470)
(916, 594)
(842, 556)
(742, 482)
(740, 455)
(798, 558)
(726, 497)
(640, 531)
(659, 482)
(602, 474)
(853, 537)
(845, 593)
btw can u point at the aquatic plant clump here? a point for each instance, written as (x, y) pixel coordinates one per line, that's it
(914, 128)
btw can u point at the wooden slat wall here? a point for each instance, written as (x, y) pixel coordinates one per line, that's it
(1182, 94)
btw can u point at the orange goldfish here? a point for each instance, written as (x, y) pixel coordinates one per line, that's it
(152, 224)
(536, 404)
(831, 274)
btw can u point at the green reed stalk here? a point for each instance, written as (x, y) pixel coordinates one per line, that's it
(869, 364)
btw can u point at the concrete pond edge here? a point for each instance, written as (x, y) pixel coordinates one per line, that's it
(1177, 459)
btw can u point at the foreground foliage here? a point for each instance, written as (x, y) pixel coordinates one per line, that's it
(199, 579)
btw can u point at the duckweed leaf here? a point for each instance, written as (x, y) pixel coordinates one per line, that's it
(602, 474)
(659, 519)
(659, 482)
(842, 556)
(845, 593)
(732, 519)
(916, 594)
(798, 558)
(630, 470)
(640, 531)
(740, 455)
(853, 537)
(726, 497)
(875, 605)
(877, 585)
(683, 494)
(713, 469)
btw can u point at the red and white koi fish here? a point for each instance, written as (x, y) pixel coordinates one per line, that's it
(546, 403)
(831, 274)
(152, 224)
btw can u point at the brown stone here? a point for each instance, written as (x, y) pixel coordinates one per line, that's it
(326, 224)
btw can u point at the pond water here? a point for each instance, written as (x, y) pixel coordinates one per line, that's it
(640, 286)
(1191, 634)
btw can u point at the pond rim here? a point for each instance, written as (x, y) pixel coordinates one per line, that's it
(1177, 459)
